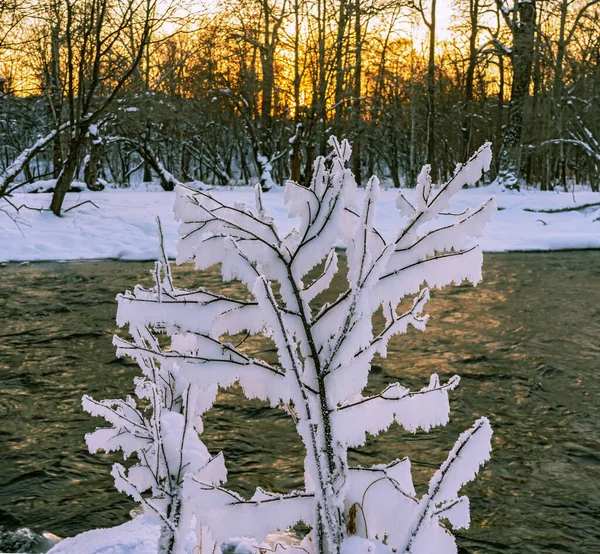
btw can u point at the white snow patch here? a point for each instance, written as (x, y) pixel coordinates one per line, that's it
(123, 227)
(139, 536)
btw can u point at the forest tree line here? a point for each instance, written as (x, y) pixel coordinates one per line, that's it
(240, 90)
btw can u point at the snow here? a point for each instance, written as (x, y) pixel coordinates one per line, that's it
(17, 165)
(138, 536)
(323, 364)
(141, 536)
(123, 226)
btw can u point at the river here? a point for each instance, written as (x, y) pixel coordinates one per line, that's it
(526, 343)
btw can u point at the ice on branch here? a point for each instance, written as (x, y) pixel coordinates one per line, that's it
(324, 359)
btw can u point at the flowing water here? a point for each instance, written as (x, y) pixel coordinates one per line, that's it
(526, 343)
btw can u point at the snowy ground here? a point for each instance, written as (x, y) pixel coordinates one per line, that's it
(123, 225)
(138, 536)
(141, 536)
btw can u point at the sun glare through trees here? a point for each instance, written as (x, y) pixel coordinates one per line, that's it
(230, 90)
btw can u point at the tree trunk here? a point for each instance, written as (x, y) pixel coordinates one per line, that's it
(523, 44)
(310, 160)
(411, 176)
(499, 113)
(431, 158)
(27, 172)
(56, 98)
(296, 155)
(339, 68)
(93, 166)
(147, 177)
(558, 93)
(394, 169)
(66, 175)
(268, 84)
(320, 111)
(467, 127)
(57, 161)
(356, 147)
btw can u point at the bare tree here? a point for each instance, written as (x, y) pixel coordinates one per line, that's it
(521, 20)
(262, 106)
(96, 70)
(429, 19)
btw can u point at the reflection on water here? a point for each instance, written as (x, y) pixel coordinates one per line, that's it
(526, 343)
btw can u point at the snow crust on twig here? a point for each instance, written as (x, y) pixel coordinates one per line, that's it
(324, 359)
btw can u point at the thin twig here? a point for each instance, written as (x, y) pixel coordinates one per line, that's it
(81, 204)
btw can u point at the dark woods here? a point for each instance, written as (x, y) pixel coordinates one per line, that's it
(129, 90)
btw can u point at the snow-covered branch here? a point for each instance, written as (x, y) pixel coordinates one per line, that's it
(8, 176)
(422, 409)
(470, 452)
(323, 362)
(228, 515)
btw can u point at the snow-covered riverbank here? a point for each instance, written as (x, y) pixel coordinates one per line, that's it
(123, 224)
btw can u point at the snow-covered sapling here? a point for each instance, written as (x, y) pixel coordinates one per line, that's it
(324, 359)
(161, 427)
